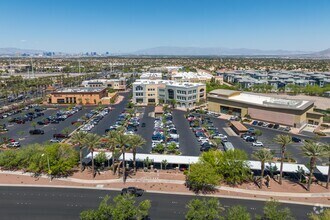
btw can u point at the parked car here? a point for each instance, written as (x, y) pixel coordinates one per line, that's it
(276, 126)
(59, 135)
(270, 126)
(132, 191)
(257, 144)
(260, 123)
(14, 144)
(296, 139)
(54, 140)
(36, 131)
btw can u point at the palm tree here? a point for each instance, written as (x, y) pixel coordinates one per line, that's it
(313, 151)
(283, 140)
(77, 139)
(327, 155)
(92, 141)
(135, 141)
(122, 140)
(111, 145)
(263, 156)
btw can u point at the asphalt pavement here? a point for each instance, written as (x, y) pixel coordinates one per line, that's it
(60, 203)
(111, 118)
(189, 146)
(20, 132)
(146, 132)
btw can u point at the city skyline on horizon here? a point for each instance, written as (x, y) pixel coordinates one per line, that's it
(129, 26)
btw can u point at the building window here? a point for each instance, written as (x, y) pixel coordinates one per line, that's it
(139, 88)
(170, 93)
(139, 94)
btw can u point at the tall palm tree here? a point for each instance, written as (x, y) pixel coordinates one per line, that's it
(263, 156)
(283, 140)
(327, 155)
(92, 141)
(77, 139)
(109, 140)
(135, 142)
(122, 140)
(313, 151)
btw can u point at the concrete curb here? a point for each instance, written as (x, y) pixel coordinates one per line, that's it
(164, 192)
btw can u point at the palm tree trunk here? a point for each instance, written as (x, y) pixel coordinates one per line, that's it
(327, 186)
(310, 174)
(113, 162)
(124, 170)
(281, 168)
(262, 173)
(92, 163)
(80, 156)
(134, 160)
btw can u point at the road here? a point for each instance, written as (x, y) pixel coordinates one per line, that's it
(60, 203)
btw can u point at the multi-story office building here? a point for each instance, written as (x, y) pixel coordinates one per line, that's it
(116, 84)
(185, 94)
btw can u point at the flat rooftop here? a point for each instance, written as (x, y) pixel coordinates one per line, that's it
(260, 100)
(166, 82)
(80, 90)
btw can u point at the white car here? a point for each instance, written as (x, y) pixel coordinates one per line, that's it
(203, 139)
(54, 140)
(257, 144)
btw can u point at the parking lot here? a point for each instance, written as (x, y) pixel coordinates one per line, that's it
(188, 142)
(20, 132)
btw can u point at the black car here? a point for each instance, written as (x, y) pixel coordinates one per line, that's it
(205, 148)
(36, 131)
(276, 126)
(270, 126)
(143, 124)
(296, 139)
(132, 191)
(260, 123)
(54, 121)
(250, 139)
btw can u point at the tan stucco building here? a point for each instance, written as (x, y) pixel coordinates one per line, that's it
(294, 113)
(82, 96)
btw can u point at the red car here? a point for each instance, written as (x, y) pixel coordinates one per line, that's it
(60, 136)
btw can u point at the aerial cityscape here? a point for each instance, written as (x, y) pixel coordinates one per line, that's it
(150, 109)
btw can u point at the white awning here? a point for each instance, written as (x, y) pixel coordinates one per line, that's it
(158, 158)
(323, 169)
(107, 154)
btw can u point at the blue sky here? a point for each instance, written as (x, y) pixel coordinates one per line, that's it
(129, 25)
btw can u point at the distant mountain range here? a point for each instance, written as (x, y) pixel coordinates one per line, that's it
(189, 51)
(214, 51)
(11, 51)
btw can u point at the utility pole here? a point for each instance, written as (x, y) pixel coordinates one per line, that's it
(79, 66)
(32, 68)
